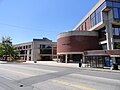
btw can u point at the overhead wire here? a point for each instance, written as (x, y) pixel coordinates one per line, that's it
(26, 28)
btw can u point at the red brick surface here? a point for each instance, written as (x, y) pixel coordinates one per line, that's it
(77, 43)
(110, 52)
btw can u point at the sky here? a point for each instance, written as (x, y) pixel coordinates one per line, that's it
(23, 20)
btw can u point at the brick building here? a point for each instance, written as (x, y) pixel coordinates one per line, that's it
(81, 44)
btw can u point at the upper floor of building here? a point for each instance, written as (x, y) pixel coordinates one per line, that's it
(103, 12)
(40, 43)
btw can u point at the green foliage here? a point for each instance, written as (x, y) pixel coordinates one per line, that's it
(117, 45)
(7, 49)
(1, 50)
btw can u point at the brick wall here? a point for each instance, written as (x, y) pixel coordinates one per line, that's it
(77, 43)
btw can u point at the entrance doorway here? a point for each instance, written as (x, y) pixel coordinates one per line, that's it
(71, 58)
(97, 61)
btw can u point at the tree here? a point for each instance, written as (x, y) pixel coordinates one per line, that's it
(117, 45)
(7, 49)
(1, 51)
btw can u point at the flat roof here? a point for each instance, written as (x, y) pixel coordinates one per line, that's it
(77, 33)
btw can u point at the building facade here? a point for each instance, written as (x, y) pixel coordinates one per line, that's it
(104, 19)
(37, 50)
(72, 44)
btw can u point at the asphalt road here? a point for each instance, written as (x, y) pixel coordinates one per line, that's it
(43, 77)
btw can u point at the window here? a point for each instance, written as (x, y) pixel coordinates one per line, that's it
(45, 46)
(29, 58)
(102, 34)
(26, 47)
(45, 51)
(30, 51)
(84, 26)
(116, 13)
(96, 17)
(116, 31)
(119, 12)
(23, 47)
(22, 52)
(110, 4)
(113, 4)
(103, 47)
(81, 27)
(29, 46)
(116, 4)
(92, 19)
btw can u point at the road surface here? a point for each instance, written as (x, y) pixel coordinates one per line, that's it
(43, 77)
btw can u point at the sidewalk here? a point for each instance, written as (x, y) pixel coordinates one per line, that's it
(74, 65)
(54, 63)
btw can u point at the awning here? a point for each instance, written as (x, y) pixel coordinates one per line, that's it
(97, 55)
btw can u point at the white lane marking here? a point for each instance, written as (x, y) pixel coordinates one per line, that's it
(95, 78)
(36, 69)
(5, 77)
(26, 74)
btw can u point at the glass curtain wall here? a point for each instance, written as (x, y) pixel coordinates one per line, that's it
(116, 31)
(96, 16)
(116, 12)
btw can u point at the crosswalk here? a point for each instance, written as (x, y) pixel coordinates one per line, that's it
(14, 72)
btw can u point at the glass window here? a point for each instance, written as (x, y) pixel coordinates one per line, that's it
(116, 31)
(45, 46)
(116, 13)
(104, 46)
(119, 12)
(92, 19)
(102, 5)
(45, 51)
(29, 46)
(81, 27)
(30, 51)
(98, 15)
(95, 17)
(116, 4)
(98, 18)
(102, 33)
(110, 4)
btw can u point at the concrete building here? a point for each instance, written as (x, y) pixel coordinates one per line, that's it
(37, 50)
(104, 20)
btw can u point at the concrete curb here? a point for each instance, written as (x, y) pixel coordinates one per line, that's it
(53, 63)
(103, 70)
